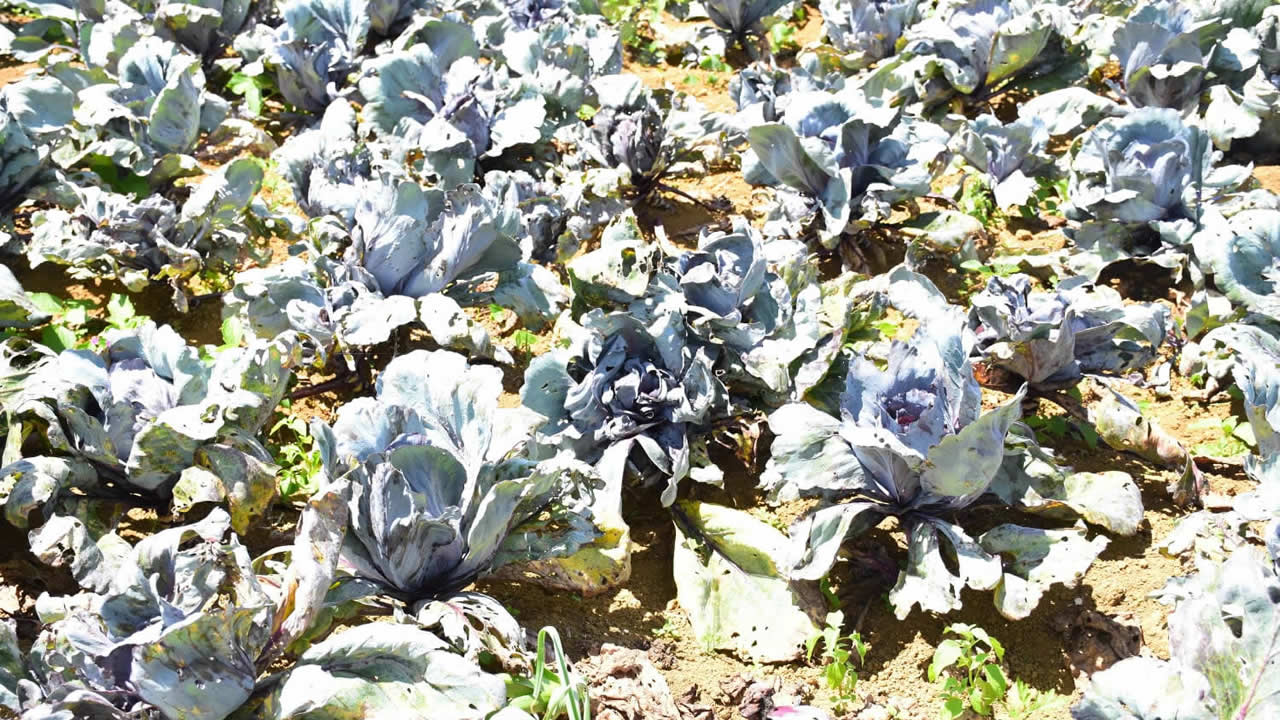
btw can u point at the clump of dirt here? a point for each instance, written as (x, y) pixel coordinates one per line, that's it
(1268, 176)
(1094, 641)
(13, 73)
(625, 686)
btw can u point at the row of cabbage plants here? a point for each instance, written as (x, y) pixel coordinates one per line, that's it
(448, 156)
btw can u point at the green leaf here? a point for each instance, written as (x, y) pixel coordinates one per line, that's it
(996, 679)
(944, 656)
(125, 182)
(251, 88)
(978, 701)
(59, 338)
(524, 340)
(75, 315)
(46, 303)
(120, 311)
(232, 333)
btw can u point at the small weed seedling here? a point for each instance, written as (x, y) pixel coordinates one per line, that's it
(298, 458)
(669, 630)
(976, 682)
(69, 327)
(1057, 427)
(995, 269)
(523, 340)
(253, 88)
(1235, 440)
(1048, 197)
(838, 651)
(632, 18)
(782, 38)
(550, 692)
(1025, 702)
(977, 201)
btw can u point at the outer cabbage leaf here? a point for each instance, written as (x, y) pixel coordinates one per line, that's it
(634, 142)
(1143, 185)
(142, 110)
(1249, 109)
(1244, 259)
(405, 247)
(382, 670)
(1010, 155)
(739, 17)
(172, 650)
(1159, 49)
(182, 628)
(851, 159)
(324, 164)
(730, 579)
(911, 442)
(561, 58)
(967, 46)
(112, 235)
(1224, 647)
(142, 413)
(316, 47)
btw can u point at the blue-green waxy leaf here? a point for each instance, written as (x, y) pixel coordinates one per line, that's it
(1142, 688)
(91, 551)
(783, 155)
(731, 581)
(963, 465)
(1031, 478)
(808, 454)
(174, 123)
(1051, 338)
(1038, 559)
(441, 487)
(1259, 382)
(457, 414)
(1245, 260)
(1223, 647)
(633, 394)
(739, 16)
(384, 671)
(816, 538)
(927, 579)
(200, 665)
(40, 104)
(866, 32)
(546, 384)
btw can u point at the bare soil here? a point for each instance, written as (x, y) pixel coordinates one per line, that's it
(1268, 176)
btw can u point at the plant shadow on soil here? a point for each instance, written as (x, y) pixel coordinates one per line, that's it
(201, 325)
